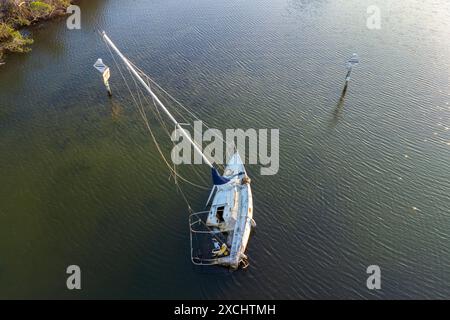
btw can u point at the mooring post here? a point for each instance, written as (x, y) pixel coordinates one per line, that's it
(354, 60)
(106, 73)
(347, 77)
(108, 88)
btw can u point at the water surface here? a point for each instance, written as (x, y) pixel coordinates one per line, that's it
(82, 183)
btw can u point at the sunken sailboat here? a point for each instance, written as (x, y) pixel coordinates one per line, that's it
(219, 235)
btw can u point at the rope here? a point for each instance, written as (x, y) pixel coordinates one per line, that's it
(142, 73)
(158, 115)
(139, 104)
(146, 122)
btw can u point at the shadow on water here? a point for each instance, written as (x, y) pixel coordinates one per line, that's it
(338, 110)
(213, 270)
(116, 109)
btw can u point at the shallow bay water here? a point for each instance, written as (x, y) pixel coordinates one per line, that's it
(362, 182)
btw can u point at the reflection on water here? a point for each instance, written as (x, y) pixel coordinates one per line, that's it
(338, 110)
(116, 109)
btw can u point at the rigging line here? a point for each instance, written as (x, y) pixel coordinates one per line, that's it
(144, 116)
(163, 123)
(164, 126)
(184, 197)
(171, 97)
(157, 108)
(139, 71)
(175, 174)
(176, 183)
(142, 73)
(148, 125)
(186, 121)
(176, 110)
(141, 80)
(163, 90)
(158, 114)
(173, 142)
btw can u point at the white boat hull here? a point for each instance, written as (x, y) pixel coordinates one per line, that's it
(231, 216)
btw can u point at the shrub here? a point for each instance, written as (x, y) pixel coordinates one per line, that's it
(18, 13)
(5, 31)
(12, 40)
(41, 8)
(18, 43)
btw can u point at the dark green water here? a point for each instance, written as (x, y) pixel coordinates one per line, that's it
(82, 183)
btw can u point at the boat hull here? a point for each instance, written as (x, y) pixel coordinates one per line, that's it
(230, 218)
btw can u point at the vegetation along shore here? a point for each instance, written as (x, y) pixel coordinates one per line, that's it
(17, 14)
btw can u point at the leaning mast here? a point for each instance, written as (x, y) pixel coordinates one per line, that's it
(149, 90)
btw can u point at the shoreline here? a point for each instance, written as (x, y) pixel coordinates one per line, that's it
(16, 17)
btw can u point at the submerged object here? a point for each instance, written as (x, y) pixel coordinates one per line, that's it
(353, 61)
(224, 230)
(228, 222)
(106, 73)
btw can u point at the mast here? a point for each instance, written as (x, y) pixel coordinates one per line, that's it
(144, 84)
